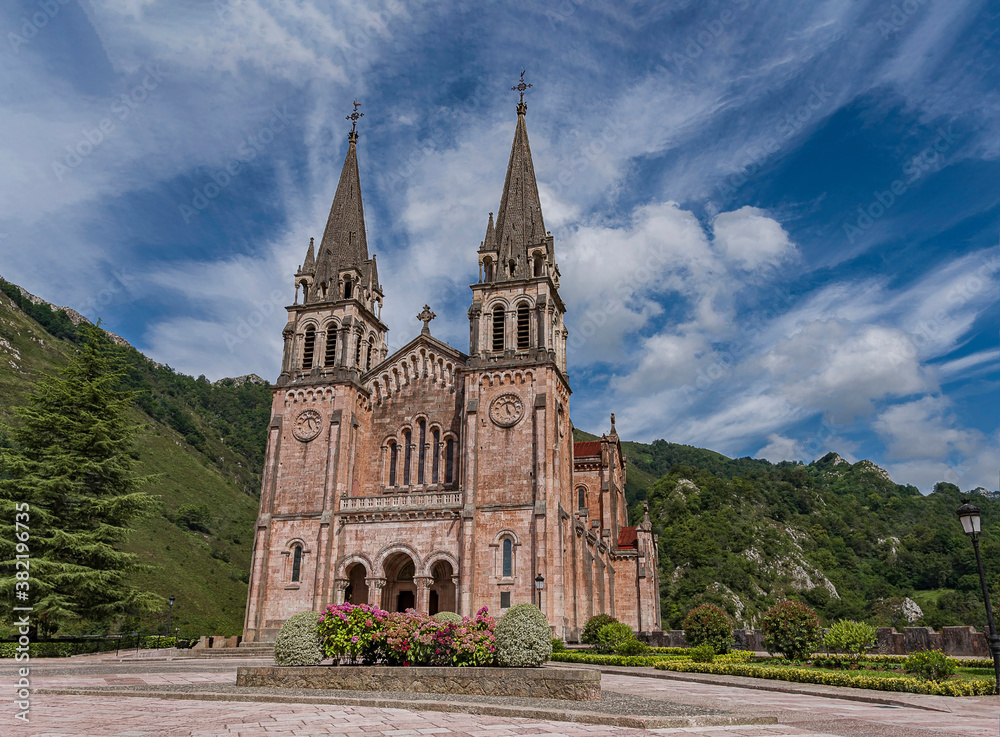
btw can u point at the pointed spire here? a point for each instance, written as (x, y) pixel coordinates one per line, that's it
(345, 243)
(490, 242)
(309, 265)
(519, 219)
(614, 432)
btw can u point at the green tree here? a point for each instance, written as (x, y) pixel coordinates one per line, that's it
(70, 461)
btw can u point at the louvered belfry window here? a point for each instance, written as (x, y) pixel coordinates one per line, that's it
(523, 327)
(308, 347)
(498, 336)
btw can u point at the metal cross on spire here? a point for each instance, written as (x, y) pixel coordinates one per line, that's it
(521, 87)
(353, 117)
(425, 317)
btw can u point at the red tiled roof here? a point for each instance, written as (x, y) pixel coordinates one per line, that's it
(628, 538)
(587, 448)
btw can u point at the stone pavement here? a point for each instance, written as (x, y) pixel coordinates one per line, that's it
(112, 715)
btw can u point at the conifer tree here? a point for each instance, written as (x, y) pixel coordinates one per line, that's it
(68, 457)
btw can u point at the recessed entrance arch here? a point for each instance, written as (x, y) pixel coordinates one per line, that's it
(442, 593)
(400, 590)
(357, 588)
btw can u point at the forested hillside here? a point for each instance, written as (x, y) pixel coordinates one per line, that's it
(203, 442)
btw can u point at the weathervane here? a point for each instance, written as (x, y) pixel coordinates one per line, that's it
(521, 87)
(353, 117)
(425, 317)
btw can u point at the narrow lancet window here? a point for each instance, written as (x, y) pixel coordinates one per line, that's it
(407, 457)
(508, 557)
(421, 452)
(449, 461)
(296, 563)
(330, 357)
(393, 460)
(498, 336)
(523, 326)
(436, 458)
(308, 347)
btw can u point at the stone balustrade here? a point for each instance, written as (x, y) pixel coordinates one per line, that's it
(420, 500)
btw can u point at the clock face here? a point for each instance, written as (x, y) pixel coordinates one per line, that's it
(506, 410)
(308, 424)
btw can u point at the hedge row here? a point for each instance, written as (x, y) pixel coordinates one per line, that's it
(68, 649)
(801, 675)
(628, 661)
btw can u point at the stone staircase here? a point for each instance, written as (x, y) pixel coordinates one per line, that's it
(252, 651)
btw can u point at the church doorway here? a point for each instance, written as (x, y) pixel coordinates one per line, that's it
(357, 589)
(400, 591)
(442, 595)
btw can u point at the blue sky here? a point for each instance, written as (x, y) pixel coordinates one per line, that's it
(776, 222)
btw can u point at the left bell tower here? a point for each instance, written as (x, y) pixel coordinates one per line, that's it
(319, 413)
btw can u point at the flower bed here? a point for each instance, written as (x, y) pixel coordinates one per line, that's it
(369, 635)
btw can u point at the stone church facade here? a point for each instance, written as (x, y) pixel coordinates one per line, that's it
(432, 478)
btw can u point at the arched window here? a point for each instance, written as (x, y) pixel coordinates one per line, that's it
(421, 452)
(449, 461)
(498, 336)
(487, 269)
(347, 288)
(368, 354)
(523, 326)
(511, 267)
(581, 498)
(308, 346)
(296, 563)
(393, 460)
(330, 357)
(357, 353)
(508, 558)
(436, 458)
(407, 457)
(539, 264)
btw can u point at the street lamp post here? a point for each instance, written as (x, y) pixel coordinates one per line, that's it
(539, 583)
(971, 523)
(170, 611)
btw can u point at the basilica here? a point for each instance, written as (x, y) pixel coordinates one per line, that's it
(433, 478)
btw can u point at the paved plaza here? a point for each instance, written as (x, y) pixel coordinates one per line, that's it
(195, 698)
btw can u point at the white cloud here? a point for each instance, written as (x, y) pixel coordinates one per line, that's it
(750, 238)
(780, 448)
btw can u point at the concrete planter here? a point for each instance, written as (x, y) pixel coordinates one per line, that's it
(540, 683)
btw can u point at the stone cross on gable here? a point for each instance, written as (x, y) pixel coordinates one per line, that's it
(426, 316)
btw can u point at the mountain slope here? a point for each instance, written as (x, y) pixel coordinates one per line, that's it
(204, 442)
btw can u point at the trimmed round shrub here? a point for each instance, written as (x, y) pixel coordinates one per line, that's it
(523, 637)
(931, 665)
(792, 629)
(851, 638)
(619, 639)
(709, 625)
(703, 653)
(558, 646)
(593, 626)
(298, 641)
(447, 617)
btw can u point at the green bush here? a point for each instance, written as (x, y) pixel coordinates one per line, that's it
(703, 653)
(632, 647)
(931, 665)
(558, 646)
(593, 626)
(792, 629)
(612, 635)
(523, 637)
(587, 657)
(851, 638)
(447, 617)
(709, 625)
(298, 642)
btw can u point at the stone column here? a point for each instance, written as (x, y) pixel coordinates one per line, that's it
(340, 587)
(375, 586)
(424, 584)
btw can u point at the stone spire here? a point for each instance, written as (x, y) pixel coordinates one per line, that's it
(490, 242)
(309, 265)
(519, 219)
(344, 244)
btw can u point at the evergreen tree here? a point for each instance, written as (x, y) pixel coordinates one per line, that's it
(69, 458)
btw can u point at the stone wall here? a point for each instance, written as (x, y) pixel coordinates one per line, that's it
(957, 641)
(546, 683)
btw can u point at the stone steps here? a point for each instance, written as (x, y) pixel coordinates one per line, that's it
(256, 651)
